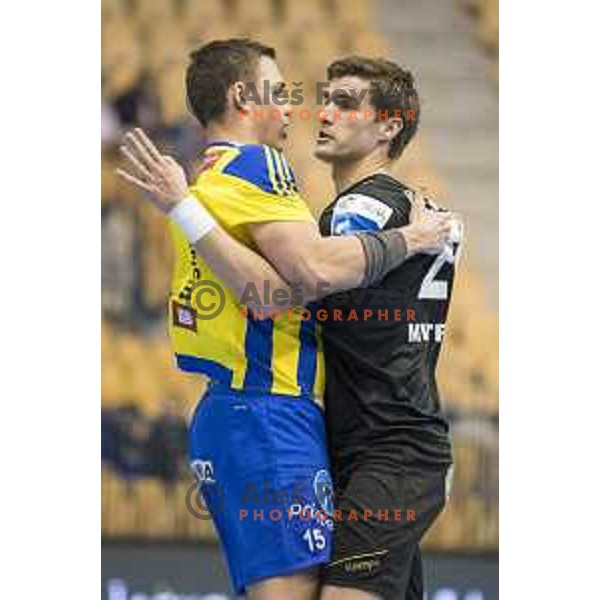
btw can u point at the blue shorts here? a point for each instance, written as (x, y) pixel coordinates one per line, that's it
(264, 472)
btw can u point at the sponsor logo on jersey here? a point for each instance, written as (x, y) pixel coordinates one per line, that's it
(357, 212)
(426, 332)
(184, 316)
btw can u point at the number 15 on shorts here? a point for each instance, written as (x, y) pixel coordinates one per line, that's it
(315, 539)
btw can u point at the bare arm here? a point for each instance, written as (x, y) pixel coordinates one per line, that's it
(320, 265)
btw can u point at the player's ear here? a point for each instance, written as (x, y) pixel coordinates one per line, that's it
(238, 98)
(390, 128)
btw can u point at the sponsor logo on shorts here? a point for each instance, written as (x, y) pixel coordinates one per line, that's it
(205, 499)
(361, 564)
(203, 471)
(323, 487)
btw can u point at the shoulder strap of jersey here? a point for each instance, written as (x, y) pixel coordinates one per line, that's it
(250, 183)
(264, 167)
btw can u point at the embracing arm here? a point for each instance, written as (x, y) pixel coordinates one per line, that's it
(297, 254)
(323, 265)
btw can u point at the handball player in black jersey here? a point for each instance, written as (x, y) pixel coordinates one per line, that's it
(388, 439)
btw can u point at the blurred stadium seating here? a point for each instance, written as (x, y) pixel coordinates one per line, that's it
(144, 51)
(486, 12)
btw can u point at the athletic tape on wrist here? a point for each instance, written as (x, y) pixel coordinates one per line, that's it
(192, 218)
(384, 252)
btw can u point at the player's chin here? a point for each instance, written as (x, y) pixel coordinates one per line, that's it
(325, 154)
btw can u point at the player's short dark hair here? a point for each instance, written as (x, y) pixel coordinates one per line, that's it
(393, 89)
(213, 68)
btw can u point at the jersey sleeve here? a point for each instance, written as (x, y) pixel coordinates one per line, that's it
(255, 185)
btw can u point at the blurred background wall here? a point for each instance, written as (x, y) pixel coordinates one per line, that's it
(452, 47)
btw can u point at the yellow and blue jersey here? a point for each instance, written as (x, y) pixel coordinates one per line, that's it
(244, 184)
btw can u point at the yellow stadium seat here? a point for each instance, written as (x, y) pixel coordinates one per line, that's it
(305, 16)
(113, 9)
(157, 514)
(177, 498)
(107, 493)
(204, 11)
(447, 531)
(157, 259)
(252, 17)
(352, 15)
(365, 42)
(152, 11)
(109, 181)
(121, 58)
(165, 44)
(173, 109)
(489, 29)
(123, 510)
(493, 525)
(476, 530)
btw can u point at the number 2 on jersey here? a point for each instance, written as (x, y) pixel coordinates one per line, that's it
(437, 289)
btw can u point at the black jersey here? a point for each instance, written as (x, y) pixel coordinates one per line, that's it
(382, 343)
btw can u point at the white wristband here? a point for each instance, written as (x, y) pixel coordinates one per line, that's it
(192, 218)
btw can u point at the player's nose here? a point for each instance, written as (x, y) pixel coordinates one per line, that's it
(286, 111)
(327, 113)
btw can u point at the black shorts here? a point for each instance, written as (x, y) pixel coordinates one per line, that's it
(383, 513)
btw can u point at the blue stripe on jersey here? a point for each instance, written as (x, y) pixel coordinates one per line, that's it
(259, 353)
(251, 165)
(208, 367)
(346, 223)
(307, 359)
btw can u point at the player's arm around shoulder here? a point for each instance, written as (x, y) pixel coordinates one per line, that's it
(303, 257)
(354, 256)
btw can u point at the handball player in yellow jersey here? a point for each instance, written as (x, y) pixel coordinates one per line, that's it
(258, 426)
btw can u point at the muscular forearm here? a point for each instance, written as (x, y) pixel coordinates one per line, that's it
(361, 260)
(244, 271)
(331, 264)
